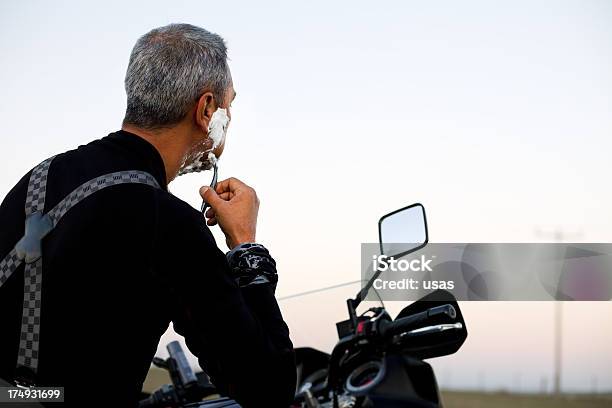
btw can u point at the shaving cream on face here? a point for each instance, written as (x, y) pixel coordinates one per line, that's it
(200, 158)
(217, 128)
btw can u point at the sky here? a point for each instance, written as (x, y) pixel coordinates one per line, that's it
(496, 116)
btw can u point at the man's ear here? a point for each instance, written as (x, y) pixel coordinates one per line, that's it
(204, 110)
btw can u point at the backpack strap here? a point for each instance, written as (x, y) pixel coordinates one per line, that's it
(28, 250)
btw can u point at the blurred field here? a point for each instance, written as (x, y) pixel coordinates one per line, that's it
(464, 399)
(155, 379)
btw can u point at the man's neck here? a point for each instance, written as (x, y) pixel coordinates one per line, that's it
(170, 143)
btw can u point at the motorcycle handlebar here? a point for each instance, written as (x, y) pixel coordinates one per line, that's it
(185, 372)
(411, 322)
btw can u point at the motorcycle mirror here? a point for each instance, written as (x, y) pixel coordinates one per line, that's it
(400, 232)
(403, 231)
(438, 343)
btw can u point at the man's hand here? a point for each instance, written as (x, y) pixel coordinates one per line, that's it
(234, 206)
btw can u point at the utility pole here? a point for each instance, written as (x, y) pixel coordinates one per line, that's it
(558, 236)
(558, 346)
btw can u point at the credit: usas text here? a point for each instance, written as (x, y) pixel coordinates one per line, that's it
(385, 263)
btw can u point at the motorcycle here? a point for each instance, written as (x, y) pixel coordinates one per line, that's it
(377, 362)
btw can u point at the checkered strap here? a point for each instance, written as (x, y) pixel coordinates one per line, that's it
(37, 188)
(27, 360)
(8, 265)
(97, 184)
(30, 319)
(35, 201)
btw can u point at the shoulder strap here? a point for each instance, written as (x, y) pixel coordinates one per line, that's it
(28, 250)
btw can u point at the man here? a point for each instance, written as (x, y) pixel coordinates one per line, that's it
(129, 259)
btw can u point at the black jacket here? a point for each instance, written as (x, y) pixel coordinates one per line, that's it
(122, 265)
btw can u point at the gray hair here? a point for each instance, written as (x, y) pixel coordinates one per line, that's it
(170, 68)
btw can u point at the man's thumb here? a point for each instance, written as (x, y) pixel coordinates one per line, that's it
(210, 196)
